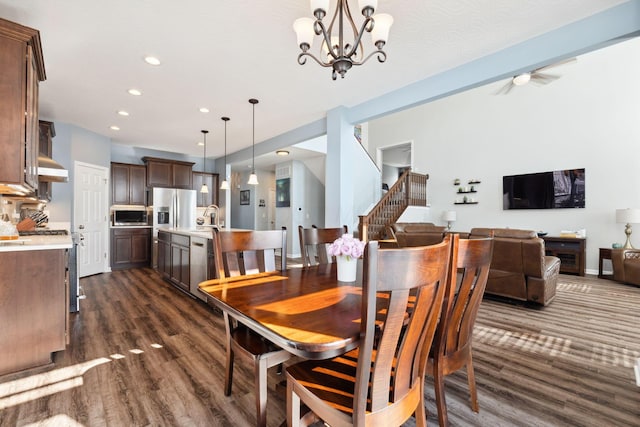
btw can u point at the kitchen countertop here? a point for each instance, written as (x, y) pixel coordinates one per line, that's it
(200, 231)
(39, 242)
(36, 243)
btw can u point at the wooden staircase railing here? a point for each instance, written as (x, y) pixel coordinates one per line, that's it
(409, 190)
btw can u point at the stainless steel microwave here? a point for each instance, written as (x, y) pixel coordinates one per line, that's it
(130, 215)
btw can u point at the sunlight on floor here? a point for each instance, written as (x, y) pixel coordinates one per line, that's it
(533, 343)
(554, 346)
(33, 387)
(56, 421)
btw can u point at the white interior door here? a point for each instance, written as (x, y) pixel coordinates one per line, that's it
(90, 217)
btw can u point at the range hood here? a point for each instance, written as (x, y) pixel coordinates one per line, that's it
(51, 171)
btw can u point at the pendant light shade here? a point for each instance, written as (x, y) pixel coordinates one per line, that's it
(253, 178)
(204, 188)
(225, 182)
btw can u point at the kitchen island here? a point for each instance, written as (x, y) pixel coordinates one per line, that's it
(34, 299)
(185, 257)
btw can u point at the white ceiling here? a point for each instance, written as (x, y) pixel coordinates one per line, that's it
(218, 54)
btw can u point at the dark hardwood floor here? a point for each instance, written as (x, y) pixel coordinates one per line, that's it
(143, 353)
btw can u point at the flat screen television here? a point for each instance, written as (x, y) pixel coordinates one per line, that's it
(544, 190)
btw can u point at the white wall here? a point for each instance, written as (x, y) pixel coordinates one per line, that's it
(587, 119)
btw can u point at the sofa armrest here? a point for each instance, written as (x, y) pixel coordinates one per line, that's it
(617, 260)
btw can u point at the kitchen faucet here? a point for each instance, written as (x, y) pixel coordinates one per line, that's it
(214, 210)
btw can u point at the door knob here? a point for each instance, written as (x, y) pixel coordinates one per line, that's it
(81, 227)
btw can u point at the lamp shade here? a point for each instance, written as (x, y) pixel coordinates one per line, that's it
(449, 216)
(628, 216)
(304, 31)
(253, 179)
(380, 32)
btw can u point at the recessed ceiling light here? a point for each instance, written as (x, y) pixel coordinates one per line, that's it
(204, 110)
(200, 143)
(123, 113)
(151, 60)
(282, 152)
(114, 128)
(134, 92)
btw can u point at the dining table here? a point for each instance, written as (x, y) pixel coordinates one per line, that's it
(305, 311)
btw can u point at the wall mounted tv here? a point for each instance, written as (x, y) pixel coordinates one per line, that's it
(544, 190)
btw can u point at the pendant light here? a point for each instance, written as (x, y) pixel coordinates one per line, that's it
(225, 182)
(204, 188)
(253, 178)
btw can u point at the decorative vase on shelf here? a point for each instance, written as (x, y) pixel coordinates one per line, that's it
(347, 268)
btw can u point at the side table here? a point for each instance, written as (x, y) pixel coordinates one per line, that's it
(605, 253)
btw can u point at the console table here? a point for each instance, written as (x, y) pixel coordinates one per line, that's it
(570, 250)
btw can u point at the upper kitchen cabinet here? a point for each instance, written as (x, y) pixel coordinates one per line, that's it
(22, 66)
(128, 184)
(211, 179)
(168, 173)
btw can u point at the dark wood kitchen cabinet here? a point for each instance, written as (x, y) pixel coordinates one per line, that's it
(211, 179)
(164, 254)
(180, 268)
(22, 66)
(34, 306)
(173, 258)
(168, 173)
(128, 184)
(130, 247)
(46, 134)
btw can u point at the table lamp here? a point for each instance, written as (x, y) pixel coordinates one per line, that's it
(628, 216)
(449, 216)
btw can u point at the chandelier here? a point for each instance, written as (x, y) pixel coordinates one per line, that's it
(341, 46)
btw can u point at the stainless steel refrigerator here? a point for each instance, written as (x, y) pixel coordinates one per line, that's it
(172, 208)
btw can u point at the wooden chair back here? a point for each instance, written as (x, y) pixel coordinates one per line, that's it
(412, 282)
(381, 383)
(452, 345)
(463, 300)
(246, 252)
(314, 243)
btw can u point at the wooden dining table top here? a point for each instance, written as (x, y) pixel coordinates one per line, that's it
(306, 311)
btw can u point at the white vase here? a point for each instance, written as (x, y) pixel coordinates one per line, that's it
(347, 268)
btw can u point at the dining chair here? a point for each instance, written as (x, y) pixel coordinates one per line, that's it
(246, 252)
(315, 241)
(452, 345)
(380, 383)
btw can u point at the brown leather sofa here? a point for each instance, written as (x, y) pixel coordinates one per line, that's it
(519, 267)
(410, 233)
(626, 265)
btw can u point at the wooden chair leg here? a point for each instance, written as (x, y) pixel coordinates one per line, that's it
(441, 403)
(421, 410)
(471, 378)
(228, 379)
(260, 372)
(293, 406)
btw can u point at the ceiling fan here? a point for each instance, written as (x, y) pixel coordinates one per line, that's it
(538, 76)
